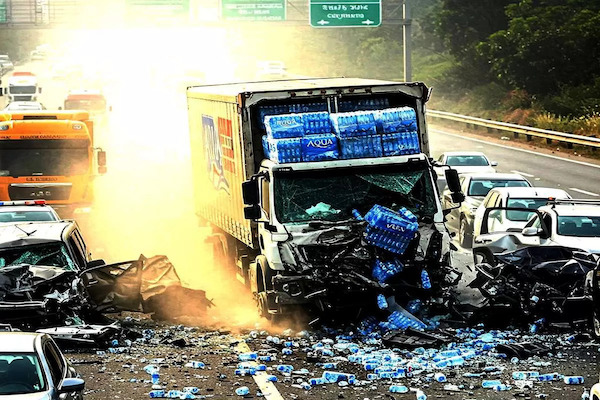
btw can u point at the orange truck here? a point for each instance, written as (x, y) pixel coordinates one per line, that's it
(50, 155)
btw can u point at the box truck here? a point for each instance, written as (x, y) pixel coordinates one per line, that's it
(287, 172)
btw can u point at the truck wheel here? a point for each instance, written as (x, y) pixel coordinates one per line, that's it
(263, 305)
(465, 236)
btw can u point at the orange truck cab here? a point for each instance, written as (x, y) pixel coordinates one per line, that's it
(49, 155)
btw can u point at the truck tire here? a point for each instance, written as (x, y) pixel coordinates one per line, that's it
(465, 235)
(596, 325)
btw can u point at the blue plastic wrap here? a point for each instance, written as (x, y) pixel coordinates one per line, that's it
(395, 120)
(316, 123)
(284, 126)
(360, 146)
(320, 147)
(285, 150)
(390, 230)
(396, 144)
(265, 144)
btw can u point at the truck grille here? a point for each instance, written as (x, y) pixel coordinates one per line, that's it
(47, 191)
(22, 98)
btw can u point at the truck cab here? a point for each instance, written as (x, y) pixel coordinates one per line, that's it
(22, 86)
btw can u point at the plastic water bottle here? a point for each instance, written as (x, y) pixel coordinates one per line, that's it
(487, 384)
(573, 380)
(174, 394)
(149, 369)
(156, 394)
(333, 376)
(242, 391)
(585, 395)
(271, 378)
(421, 395)
(155, 377)
(317, 381)
(284, 368)
(501, 388)
(191, 389)
(247, 356)
(425, 281)
(414, 306)
(398, 389)
(286, 351)
(195, 364)
(382, 302)
(438, 376)
(265, 358)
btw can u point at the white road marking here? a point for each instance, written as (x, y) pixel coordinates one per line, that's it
(266, 387)
(585, 192)
(518, 149)
(522, 173)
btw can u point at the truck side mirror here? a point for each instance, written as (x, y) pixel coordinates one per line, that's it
(102, 162)
(252, 212)
(250, 192)
(39, 90)
(453, 183)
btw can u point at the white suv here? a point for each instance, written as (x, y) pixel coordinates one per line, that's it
(569, 223)
(520, 197)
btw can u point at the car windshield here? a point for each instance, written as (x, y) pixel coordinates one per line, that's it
(53, 254)
(26, 216)
(302, 196)
(522, 216)
(22, 89)
(579, 226)
(467, 161)
(20, 373)
(44, 157)
(481, 187)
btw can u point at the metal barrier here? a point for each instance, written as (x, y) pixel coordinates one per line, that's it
(529, 132)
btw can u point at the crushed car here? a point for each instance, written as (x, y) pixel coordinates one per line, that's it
(48, 279)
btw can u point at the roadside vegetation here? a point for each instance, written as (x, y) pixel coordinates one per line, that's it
(522, 61)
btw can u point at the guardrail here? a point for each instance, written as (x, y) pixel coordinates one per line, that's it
(529, 132)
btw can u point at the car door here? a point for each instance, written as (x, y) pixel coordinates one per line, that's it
(57, 366)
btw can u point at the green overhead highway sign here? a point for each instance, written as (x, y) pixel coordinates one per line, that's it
(253, 10)
(345, 13)
(3, 14)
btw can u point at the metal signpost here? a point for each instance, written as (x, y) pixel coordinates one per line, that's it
(344, 13)
(253, 10)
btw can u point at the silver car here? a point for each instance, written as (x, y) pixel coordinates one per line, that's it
(32, 367)
(475, 187)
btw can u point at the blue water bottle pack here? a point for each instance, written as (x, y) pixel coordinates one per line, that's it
(360, 146)
(284, 126)
(390, 230)
(285, 150)
(319, 147)
(316, 123)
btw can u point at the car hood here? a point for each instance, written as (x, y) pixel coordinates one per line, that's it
(28, 396)
(591, 244)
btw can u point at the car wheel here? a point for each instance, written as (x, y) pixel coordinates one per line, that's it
(464, 234)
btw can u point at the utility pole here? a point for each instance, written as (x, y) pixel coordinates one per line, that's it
(406, 36)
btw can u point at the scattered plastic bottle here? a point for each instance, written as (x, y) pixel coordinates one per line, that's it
(242, 391)
(155, 377)
(382, 302)
(585, 395)
(398, 389)
(425, 281)
(487, 384)
(156, 394)
(286, 351)
(265, 358)
(191, 389)
(271, 378)
(421, 395)
(438, 376)
(573, 380)
(195, 364)
(284, 368)
(317, 381)
(247, 356)
(173, 394)
(501, 388)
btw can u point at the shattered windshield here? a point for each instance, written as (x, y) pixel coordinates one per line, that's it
(302, 196)
(20, 373)
(52, 254)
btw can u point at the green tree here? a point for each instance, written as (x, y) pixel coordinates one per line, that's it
(548, 44)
